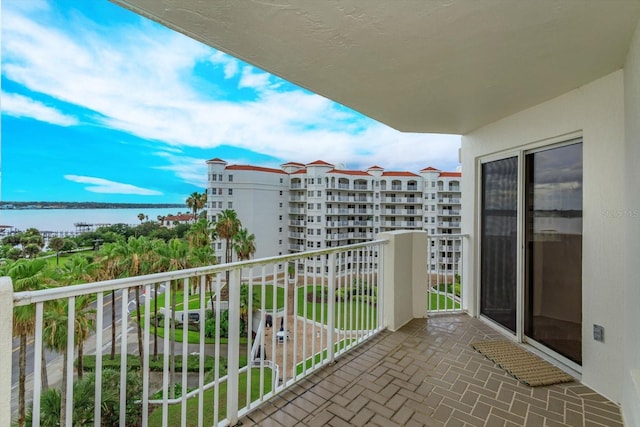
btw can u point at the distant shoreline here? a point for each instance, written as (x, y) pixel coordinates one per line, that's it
(8, 205)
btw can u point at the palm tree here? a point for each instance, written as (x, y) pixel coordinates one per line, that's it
(200, 234)
(227, 226)
(244, 244)
(107, 267)
(134, 262)
(172, 256)
(26, 275)
(196, 201)
(54, 334)
(141, 217)
(56, 243)
(74, 271)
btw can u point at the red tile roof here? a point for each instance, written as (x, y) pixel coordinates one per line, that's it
(399, 174)
(301, 171)
(375, 167)
(430, 168)
(349, 172)
(182, 217)
(254, 168)
(319, 163)
(216, 160)
(293, 164)
(451, 174)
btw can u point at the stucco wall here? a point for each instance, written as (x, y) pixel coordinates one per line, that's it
(596, 111)
(631, 394)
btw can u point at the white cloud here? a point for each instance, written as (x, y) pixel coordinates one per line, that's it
(20, 106)
(100, 185)
(254, 80)
(229, 64)
(190, 169)
(146, 88)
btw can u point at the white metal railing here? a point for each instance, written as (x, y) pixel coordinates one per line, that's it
(444, 272)
(317, 312)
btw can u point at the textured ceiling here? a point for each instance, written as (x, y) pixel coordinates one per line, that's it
(446, 66)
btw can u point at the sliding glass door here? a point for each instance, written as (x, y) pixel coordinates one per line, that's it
(499, 241)
(542, 300)
(553, 259)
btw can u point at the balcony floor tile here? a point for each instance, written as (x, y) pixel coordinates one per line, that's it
(427, 374)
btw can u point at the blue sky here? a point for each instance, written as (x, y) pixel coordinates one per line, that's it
(100, 104)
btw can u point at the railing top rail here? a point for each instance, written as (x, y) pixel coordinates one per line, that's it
(440, 236)
(31, 297)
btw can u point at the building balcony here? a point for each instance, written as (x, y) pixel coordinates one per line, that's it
(449, 224)
(449, 212)
(402, 224)
(342, 339)
(402, 212)
(410, 200)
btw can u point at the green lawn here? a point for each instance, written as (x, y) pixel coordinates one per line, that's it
(155, 418)
(356, 314)
(194, 304)
(437, 301)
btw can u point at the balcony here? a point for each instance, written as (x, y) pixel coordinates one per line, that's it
(402, 211)
(360, 351)
(409, 200)
(427, 374)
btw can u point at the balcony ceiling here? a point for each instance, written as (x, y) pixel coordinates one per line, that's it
(446, 66)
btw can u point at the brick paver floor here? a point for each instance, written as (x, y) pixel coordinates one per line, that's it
(426, 374)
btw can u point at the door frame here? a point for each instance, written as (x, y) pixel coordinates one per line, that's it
(520, 152)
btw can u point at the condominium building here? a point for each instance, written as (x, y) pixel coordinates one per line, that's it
(321, 205)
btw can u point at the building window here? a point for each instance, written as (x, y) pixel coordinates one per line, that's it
(220, 191)
(310, 206)
(318, 206)
(214, 177)
(280, 217)
(280, 204)
(219, 245)
(433, 184)
(230, 205)
(319, 219)
(230, 178)
(319, 193)
(318, 244)
(280, 229)
(220, 177)
(281, 181)
(281, 192)
(231, 191)
(279, 242)
(219, 205)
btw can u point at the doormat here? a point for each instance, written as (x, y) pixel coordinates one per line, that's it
(526, 367)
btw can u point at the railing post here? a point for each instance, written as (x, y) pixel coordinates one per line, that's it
(331, 308)
(405, 284)
(6, 348)
(233, 350)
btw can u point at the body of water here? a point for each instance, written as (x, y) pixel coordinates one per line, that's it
(64, 219)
